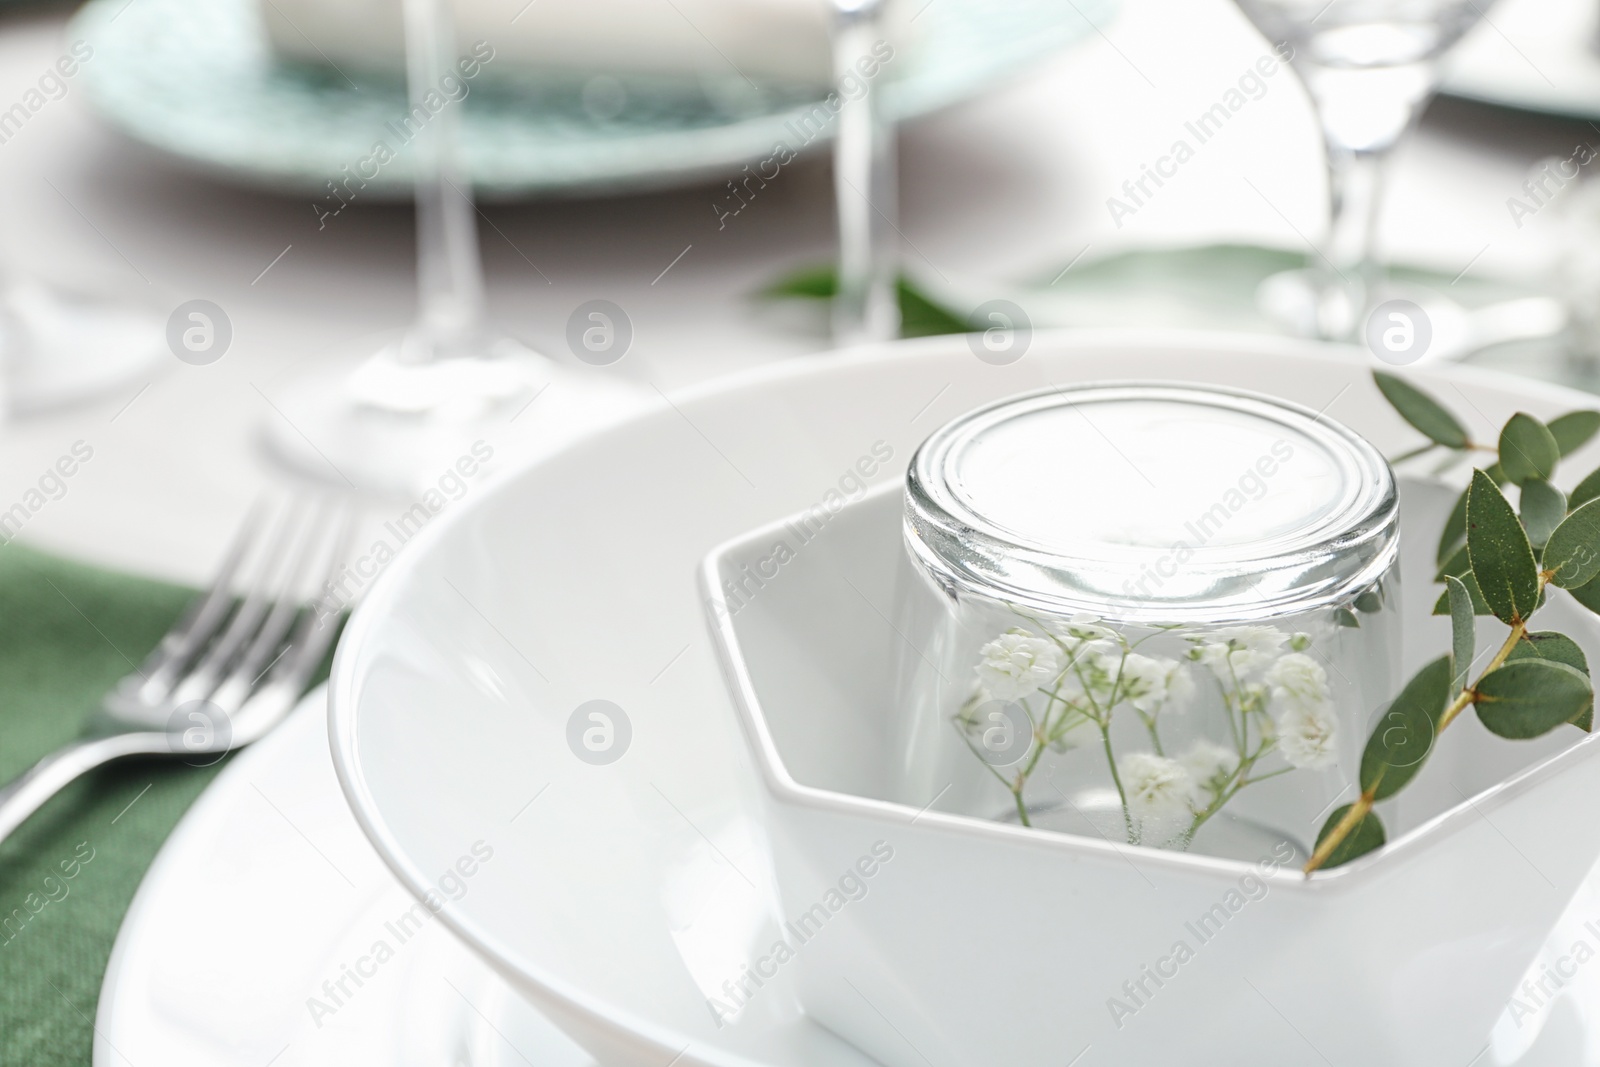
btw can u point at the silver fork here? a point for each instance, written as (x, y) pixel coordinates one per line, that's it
(224, 675)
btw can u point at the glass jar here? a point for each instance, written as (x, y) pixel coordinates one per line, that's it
(1161, 614)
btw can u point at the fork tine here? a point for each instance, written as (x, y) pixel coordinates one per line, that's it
(258, 705)
(202, 678)
(200, 619)
(268, 640)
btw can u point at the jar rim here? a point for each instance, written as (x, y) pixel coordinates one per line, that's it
(1338, 549)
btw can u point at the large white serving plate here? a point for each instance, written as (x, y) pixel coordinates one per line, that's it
(623, 896)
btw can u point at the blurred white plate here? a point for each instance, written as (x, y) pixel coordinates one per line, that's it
(196, 80)
(1537, 55)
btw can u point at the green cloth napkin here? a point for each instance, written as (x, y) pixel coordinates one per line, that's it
(67, 633)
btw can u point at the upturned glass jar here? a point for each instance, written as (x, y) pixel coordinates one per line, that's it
(1161, 614)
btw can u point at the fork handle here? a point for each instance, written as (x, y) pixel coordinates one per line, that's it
(26, 793)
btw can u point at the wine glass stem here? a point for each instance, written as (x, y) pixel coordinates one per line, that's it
(1363, 113)
(1348, 261)
(865, 308)
(449, 270)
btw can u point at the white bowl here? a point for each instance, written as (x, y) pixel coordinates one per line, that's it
(983, 942)
(621, 897)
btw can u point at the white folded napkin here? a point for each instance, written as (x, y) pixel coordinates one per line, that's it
(782, 42)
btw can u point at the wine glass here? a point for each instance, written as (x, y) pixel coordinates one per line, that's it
(1370, 67)
(387, 422)
(866, 304)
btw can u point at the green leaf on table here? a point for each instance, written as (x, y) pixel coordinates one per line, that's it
(1528, 450)
(1480, 606)
(1550, 645)
(1502, 559)
(1587, 490)
(1574, 429)
(1423, 412)
(1403, 735)
(1543, 508)
(920, 314)
(1368, 836)
(1529, 697)
(1463, 632)
(1572, 555)
(1454, 533)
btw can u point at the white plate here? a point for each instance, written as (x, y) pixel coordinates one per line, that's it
(1537, 55)
(622, 897)
(266, 890)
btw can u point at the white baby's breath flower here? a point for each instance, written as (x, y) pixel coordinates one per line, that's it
(1145, 681)
(1015, 664)
(1156, 787)
(1239, 651)
(1209, 764)
(1308, 734)
(1297, 680)
(1180, 687)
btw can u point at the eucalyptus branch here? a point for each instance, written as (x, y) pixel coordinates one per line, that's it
(1493, 561)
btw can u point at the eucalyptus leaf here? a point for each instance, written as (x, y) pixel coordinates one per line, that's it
(1457, 566)
(1454, 534)
(1480, 606)
(1543, 508)
(1347, 618)
(1502, 559)
(1574, 429)
(1547, 644)
(1367, 836)
(1404, 734)
(1529, 697)
(1528, 450)
(1369, 602)
(1550, 645)
(1587, 490)
(1422, 411)
(1588, 594)
(1572, 555)
(1496, 473)
(1463, 633)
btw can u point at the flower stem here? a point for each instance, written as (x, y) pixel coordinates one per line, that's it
(1111, 762)
(1364, 802)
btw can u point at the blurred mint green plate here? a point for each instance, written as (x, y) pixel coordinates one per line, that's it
(195, 80)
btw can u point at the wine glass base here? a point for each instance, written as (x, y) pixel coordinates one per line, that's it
(394, 430)
(1298, 302)
(59, 348)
